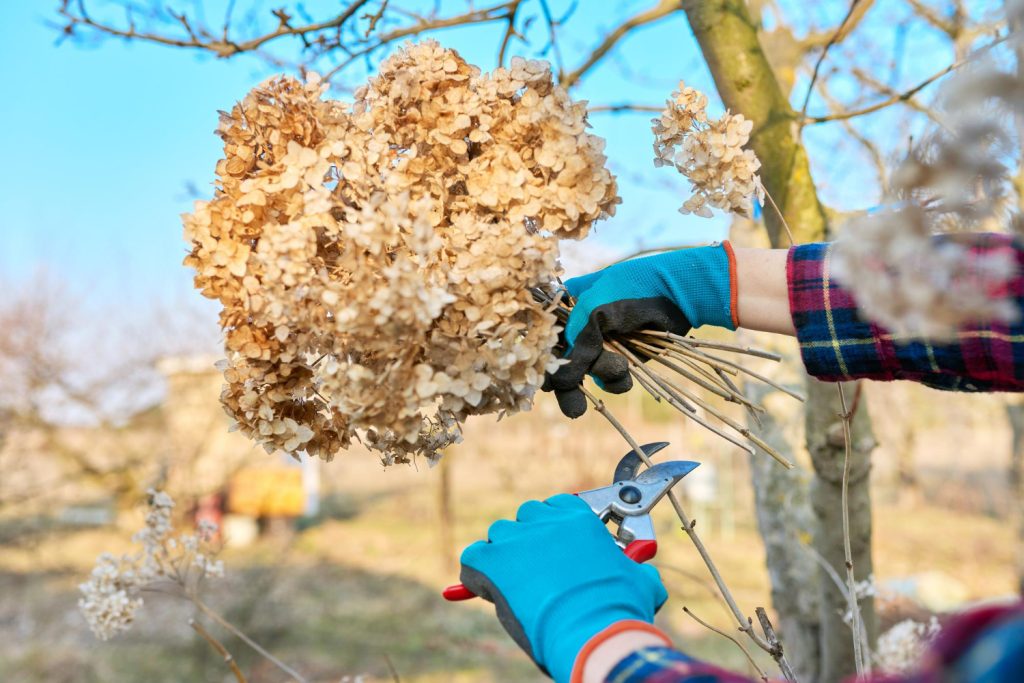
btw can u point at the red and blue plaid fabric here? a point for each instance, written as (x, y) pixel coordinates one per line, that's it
(837, 344)
(665, 665)
(985, 645)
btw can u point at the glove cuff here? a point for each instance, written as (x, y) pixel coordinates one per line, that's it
(602, 636)
(734, 304)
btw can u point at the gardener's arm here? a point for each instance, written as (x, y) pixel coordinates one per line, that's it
(573, 601)
(782, 291)
(584, 612)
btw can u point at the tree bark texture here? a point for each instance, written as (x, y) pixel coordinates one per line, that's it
(1015, 479)
(786, 523)
(828, 453)
(727, 35)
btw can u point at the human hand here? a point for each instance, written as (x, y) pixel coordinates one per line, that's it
(560, 584)
(671, 292)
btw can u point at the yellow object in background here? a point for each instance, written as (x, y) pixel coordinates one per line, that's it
(267, 492)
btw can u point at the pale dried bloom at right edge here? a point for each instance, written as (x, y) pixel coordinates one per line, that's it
(917, 287)
(709, 153)
(902, 277)
(900, 649)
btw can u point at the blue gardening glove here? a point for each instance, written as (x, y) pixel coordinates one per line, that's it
(670, 292)
(557, 579)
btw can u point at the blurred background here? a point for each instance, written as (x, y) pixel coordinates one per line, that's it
(108, 385)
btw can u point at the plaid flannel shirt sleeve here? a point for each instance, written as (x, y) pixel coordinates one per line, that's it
(837, 344)
(985, 644)
(665, 665)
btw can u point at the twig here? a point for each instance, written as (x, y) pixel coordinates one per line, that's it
(778, 212)
(688, 526)
(905, 95)
(222, 48)
(668, 390)
(759, 377)
(836, 580)
(374, 18)
(773, 640)
(662, 9)
(721, 346)
(219, 647)
(623, 108)
(391, 669)
(510, 31)
(760, 673)
(481, 16)
(553, 38)
(821, 58)
(224, 623)
(855, 615)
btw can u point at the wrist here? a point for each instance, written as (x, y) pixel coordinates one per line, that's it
(610, 646)
(762, 291)
(573, 628)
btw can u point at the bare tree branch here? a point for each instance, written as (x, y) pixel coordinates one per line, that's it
(867, 79)
(872, 150)
(848, 21)
(819, 39)
(202, 39)
(624, 108)
(553, 39)
(760, 672)
(878, 106)
(495, 13)
(659, 11)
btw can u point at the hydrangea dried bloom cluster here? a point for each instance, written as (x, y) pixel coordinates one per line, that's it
(915, 286)
(955, 181)
(901, 648)
(374, 260)
(111, 596)
(709, 153)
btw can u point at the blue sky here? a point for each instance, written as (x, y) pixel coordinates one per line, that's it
(103, 142)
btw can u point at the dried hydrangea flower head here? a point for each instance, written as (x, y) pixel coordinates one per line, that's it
(901, 649)
(954, 181)
(709, 153)
(914, 286)
(375, 260)
(112, 595)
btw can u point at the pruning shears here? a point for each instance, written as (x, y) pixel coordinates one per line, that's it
(627, 504)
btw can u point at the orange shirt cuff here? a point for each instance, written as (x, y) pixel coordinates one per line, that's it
(602, 636)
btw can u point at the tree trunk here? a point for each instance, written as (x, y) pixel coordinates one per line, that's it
(1015, 478)
(785, 521)
(728, 39)
(828, 451)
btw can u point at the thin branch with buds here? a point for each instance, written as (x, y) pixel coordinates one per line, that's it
(905, 95)
(860, 656)
(744, 623)
(238, 633)
(659, 11)
(760, 672)
(773, 640)
(839, 34)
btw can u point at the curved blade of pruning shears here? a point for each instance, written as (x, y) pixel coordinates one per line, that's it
(630, 463)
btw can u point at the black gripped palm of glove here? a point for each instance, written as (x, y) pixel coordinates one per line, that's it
(669, 292)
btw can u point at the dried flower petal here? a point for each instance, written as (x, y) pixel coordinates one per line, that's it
(374, 260)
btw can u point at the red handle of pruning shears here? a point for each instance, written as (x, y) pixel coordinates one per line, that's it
(638, 551)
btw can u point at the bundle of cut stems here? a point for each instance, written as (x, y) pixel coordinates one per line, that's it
(697, 364)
